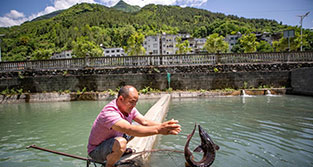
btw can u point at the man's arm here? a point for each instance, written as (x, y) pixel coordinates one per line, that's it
(166, 128)
(145, 122)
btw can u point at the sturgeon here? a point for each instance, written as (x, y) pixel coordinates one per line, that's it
(207, 146)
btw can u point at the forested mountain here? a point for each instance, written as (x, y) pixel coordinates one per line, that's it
(48, 16)
(84, 27)
(121, 5)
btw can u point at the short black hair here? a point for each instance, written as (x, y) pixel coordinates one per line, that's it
(124, 91)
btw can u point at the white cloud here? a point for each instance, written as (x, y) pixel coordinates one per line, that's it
(17, 18)
(14, 14)
(191, 3)
(7, 21)
(141, 3)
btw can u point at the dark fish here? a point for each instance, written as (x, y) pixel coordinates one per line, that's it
(208, 147)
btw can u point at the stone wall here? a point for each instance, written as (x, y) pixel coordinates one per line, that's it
(182, 77)
(302, 81)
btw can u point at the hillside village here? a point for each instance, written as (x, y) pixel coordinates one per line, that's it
(93, 30)
(166, 44)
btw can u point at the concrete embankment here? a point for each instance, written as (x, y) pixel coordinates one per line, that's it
(302, 81)
(187, 77)
(59, 97)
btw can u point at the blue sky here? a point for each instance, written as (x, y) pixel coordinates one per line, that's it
(15, 12)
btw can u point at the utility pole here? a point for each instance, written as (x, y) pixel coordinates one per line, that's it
(301, 20)
(1, 35)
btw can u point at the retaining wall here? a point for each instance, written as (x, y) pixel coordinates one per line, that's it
(302, 81)
(182, 77)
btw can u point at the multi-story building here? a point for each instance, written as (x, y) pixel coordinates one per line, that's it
(113, 52)
(168, 44)
(165, 44)
(152, 45)
(198, 44)
(265, 36)
(63, 55)
(232, 40)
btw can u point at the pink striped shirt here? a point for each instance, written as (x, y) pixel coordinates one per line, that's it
(102, 127)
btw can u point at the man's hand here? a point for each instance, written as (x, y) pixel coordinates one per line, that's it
(166, 128)
(170, 127)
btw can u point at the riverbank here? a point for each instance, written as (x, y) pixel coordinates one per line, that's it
(77, 96)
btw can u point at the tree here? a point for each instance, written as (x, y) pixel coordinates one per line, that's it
(295, 43)
(83, 47)
(41, 53)
(264, 46)
(237, 48)
(200, 32)
(134, 44)
(248, 42)
(215, 44)
(183, 46)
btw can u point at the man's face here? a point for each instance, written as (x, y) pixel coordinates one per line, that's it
(129, 102)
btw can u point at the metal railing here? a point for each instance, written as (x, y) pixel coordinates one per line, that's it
(157, 60)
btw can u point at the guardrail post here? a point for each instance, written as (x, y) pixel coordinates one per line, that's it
(87, 61)
(28, 63)
(217, 58)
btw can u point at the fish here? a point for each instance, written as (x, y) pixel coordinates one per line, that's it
(207, 146)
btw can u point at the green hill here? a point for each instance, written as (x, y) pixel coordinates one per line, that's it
(85, 26)
(121, 5)
(48, 16)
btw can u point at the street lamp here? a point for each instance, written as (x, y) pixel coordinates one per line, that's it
(301, 20)
(1, 35)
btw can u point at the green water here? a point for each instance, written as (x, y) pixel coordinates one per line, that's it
(251, 131)
(60, 126)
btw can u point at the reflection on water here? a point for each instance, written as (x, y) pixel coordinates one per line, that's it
(60, 126)
(251, 131)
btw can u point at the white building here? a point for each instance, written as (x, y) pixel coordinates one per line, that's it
(63, 55)
(152, 45)
(113, 52)
(265, 36)
(168, 44)
(165, 44)
(196, 44)
(232, 39)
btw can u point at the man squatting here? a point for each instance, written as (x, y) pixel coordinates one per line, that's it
(112, 128)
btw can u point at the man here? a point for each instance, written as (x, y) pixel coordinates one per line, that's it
(106, 141)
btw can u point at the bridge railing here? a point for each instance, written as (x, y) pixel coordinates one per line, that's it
(157, 60)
